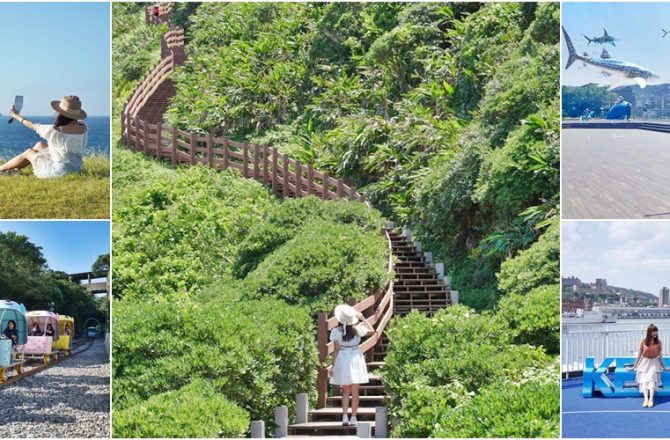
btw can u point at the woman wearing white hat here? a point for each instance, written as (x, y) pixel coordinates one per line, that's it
(66, 142)
(349, 369)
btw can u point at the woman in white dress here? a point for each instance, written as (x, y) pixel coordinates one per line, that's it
(349, 368)
(65, 144)
(649, 365)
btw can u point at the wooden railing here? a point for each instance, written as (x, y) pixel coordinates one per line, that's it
(164, 11)
(377, 309)
(286, 176)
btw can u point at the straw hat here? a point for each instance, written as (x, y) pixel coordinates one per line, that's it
(346, 315)
(69, 106)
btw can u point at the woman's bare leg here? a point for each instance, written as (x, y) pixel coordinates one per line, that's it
(354, 399)
(39, 146)
(20, 161)
(346, 391)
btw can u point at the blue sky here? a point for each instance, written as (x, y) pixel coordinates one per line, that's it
(636, 25)
(49, 50)
(633, 254)
(70, 246)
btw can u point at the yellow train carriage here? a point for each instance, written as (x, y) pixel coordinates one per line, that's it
(66, 330)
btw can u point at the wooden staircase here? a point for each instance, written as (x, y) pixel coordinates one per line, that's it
(418, 286)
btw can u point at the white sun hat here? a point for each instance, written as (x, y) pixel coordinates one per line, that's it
(346, 315)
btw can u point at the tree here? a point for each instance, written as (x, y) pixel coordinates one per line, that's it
(101, 266)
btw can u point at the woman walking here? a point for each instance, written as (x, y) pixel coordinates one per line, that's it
(65, 142)
(349, 368)
(649, 365)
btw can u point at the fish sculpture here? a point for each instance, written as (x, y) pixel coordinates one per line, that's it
(622, 72)
(605, 39)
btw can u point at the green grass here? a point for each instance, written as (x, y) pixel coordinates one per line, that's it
(84, 195)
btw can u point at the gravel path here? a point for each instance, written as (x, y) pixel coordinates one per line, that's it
(70, 399)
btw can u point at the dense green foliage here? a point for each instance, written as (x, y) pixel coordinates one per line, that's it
(26, 278)
(177, 231)
(208, 415)
(441, 371)
(444, 114)
(258, 354)
(591, 96)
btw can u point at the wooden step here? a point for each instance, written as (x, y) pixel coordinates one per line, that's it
(368, 401)
(323, 429)
(335, 414)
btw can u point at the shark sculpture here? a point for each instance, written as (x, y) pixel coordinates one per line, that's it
(607, 38)
(622, 72)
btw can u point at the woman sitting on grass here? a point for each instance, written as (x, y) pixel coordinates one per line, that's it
(66, 142)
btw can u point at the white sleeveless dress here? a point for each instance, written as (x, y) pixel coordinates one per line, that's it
(350, 366)
(64, 154)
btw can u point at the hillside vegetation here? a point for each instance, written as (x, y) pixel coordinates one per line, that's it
(444, 114)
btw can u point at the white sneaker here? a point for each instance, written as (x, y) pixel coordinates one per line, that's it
(345, 420)
(353, 421)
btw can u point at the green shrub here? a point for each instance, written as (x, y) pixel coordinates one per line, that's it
(448, 358)
(323, 265)
(536, 266)
(179, 232)
(194, 411)
(528, 409)
(283, 221)
(258, 353)
(533, 318)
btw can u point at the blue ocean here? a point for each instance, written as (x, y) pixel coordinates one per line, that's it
(14, 138)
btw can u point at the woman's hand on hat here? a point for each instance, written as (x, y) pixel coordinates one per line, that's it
(12, 111)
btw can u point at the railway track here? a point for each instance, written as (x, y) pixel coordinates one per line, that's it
(28, 370)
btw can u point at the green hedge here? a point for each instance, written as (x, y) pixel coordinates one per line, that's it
(281, 222)
(534, 318)
(178, 231)
(259, 354)
(323, 265)
(437, 365)
(194, 411)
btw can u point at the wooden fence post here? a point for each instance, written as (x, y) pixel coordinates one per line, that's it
(226, 153)
(322, 388)
(274, 170)
(245, 159)
(340, 188)
(210, 153)
(159, 140)
(285, 175)
(298, 179)
(143, 128)
(174, 146)
(266, 163)
(325, 195)
(256, 162)
(353, 195)
(310, 179)
(192, 148)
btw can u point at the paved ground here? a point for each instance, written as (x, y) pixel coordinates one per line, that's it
(615, 174)
(613, 417)
(68, 400)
